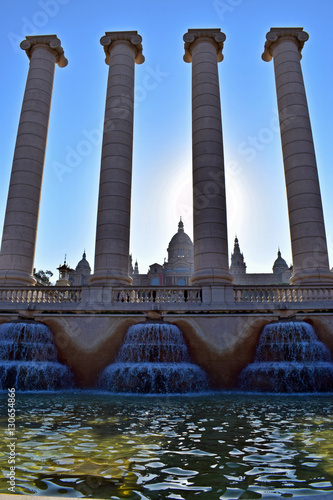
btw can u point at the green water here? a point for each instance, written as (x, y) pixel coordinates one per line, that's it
(88, 444)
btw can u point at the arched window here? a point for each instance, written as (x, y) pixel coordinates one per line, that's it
(155, 282)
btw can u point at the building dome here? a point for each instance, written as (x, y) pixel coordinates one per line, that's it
(180, 246)
(83, 265)
(180, 237)
(280, 265)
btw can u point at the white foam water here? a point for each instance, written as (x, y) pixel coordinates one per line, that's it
(153, 359)
(28, 359)
(289, 358)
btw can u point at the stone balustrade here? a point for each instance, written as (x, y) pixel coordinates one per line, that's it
(275, 294)
(135, 295)
(88, 299)
(39, 295)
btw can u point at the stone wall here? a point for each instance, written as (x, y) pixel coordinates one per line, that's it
(222, 344)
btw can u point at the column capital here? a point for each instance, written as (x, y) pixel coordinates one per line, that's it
(51, 42)
(131, 37)
(194, 35)
(277, 35)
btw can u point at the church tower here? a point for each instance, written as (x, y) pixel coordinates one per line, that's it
(238, 265)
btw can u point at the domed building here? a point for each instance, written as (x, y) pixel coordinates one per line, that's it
(279, 265)
(281, 269)
(81, 274)
(281, 272)
(178, 268)
(180, 248)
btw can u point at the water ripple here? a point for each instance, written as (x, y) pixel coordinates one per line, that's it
(222, 446)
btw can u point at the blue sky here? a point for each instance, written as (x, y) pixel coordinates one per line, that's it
(257, 209)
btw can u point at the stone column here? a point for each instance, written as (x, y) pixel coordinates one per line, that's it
(306, 220)
(203, 47)
(21, 220)
(123, 49)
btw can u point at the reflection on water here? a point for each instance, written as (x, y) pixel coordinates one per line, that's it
(88, 444)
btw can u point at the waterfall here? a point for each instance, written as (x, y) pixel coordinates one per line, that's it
(28, 359)
(153, 359)
(289, 358)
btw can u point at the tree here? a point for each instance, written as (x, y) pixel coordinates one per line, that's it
(43, 276)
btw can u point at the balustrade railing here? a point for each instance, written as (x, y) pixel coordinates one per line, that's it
(40, 295)
(136, 295)
(162, 295)
(245, 294)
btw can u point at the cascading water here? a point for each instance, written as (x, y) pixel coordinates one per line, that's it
(28, 359)
(289, 358)
(153, 359)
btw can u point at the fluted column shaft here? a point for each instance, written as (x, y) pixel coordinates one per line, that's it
(122, 50)
(21, 219)
(204, 49)
(306, 220)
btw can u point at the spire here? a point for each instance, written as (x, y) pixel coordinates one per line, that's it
(64, 271)
(238, 265)
(180, 225)
(236, 245)
(136, 267)
(84, 254)
(280, 264)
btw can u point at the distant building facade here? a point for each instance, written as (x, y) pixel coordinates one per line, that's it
(281, 272)
(177, 269)
(81, 274)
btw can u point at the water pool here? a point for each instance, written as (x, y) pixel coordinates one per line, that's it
(92, 444)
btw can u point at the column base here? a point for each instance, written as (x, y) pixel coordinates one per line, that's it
(315, 277)
(16, 278)
(211, 277)
(110, 277)
(219, 295)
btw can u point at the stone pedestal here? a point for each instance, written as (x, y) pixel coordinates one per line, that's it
(20, 227)
(307, 230)
(203, 47)
(122, 50)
